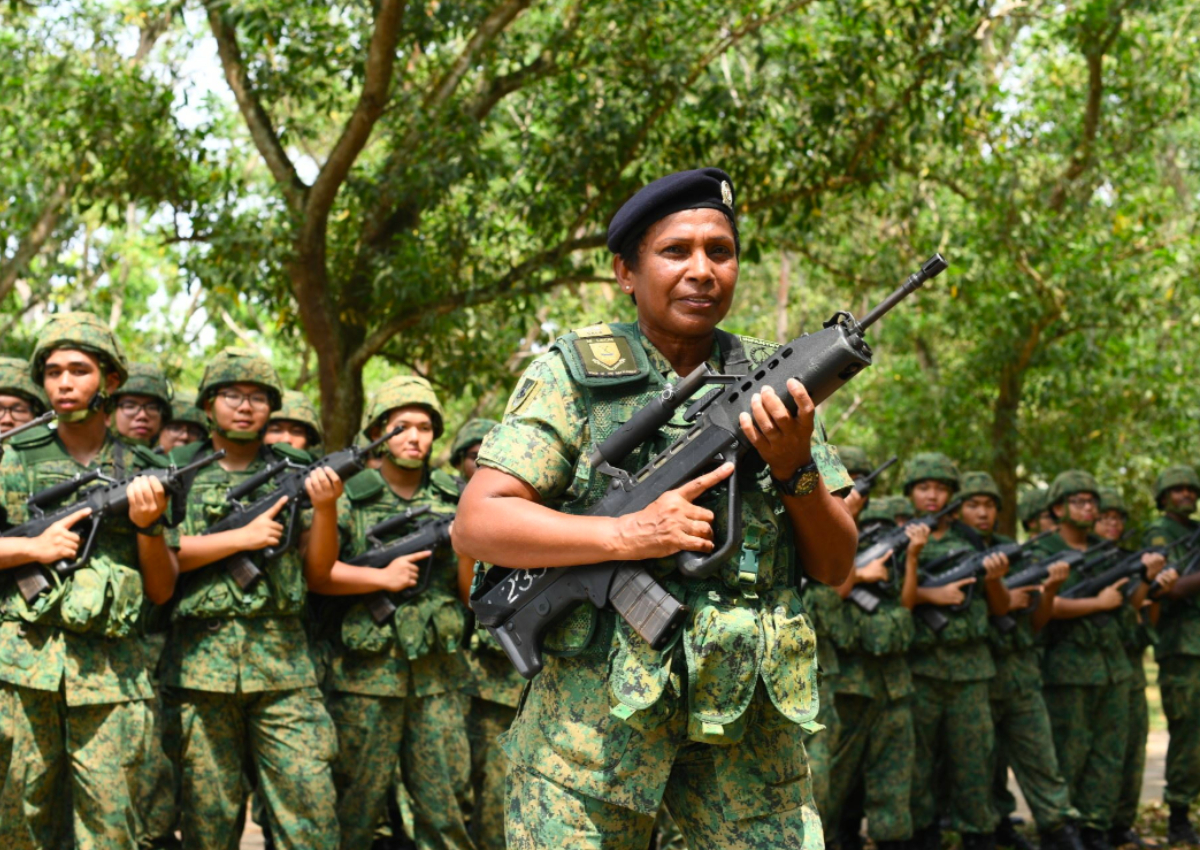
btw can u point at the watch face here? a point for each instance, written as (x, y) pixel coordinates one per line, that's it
(806, 482)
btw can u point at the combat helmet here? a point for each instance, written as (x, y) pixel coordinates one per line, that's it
(1071, 482)
(930, 466)
(83, 331)
(1031, 505)
(15, 380)
(854, 459)
(239, 366)
(402, 391)
(148, 380)
(1174, 476)
(878, 510)
(979, 483)
(1110, 500)
(297, 408)
(184, 409)
(468, 435)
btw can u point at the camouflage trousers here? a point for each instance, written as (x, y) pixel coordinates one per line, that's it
(435, 766)
(1179, 681)
(158, 802)
(543, 815)
(952, 726)
(1024, 742)
(1130, 793)
(874, 751)
(486, 721)
(820, 746)
(1089, 724)
(283, 741)
(70, 768)
(369, 729)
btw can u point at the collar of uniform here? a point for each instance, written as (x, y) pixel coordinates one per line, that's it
(663, 366)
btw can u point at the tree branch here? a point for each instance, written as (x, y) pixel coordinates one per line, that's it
(494, 24)
(35, 240)
(381, 59)
(262, 130)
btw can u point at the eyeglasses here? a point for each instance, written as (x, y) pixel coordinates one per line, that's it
(1083, 502)
(16, 411)
(233, 399)
(131, 408)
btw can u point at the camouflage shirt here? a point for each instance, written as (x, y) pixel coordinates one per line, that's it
(1015, 652)
(419, 651)
(225, 639)
(743, 645)
(81, 635)
(959, 653)
(1179, 620)
(1084, 650)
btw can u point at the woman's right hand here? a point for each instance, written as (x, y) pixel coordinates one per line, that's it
(671, 523)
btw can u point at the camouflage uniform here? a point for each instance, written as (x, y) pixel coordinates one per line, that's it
(1087, 676)
(823, 605)
(951, 669)
(75, 687)
(395, 690)
(1019, 715)
(15, 380)
(495, 690)
(605, 733)
(239, 671)
(183, 408)
(874, 749)
(1178, 655)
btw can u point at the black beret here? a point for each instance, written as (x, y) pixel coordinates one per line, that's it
(701, 188)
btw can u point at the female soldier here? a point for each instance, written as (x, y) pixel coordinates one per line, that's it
(712, 723)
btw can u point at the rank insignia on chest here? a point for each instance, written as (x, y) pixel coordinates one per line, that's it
(609, 356)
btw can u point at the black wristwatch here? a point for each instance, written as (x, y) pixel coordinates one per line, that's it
(803, 481)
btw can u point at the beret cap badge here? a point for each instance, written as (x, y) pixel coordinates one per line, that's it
(726, 194)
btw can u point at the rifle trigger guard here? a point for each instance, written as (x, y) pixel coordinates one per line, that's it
(85, 551)
(620, 478)
(701, 564)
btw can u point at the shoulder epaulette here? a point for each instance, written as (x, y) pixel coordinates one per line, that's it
(448, 485)
(148, 457)
(603, 355)
(286, 450)
(187, 453)
(365, 486)
(34, 438)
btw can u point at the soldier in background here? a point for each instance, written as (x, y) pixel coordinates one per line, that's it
(296, 423)
(21, 400)
(1033, 512)
(1178, 651)
(142, 405)
(188, 424)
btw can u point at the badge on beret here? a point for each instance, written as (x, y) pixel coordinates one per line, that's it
(726, 194)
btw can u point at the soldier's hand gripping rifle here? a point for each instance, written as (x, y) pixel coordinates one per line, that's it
(289, 477)
(1187, 561)
(106, 499)
(431, 534)
(518, 606)
(971, 566)
(1095, 557)
(892, 542)
(863, 485)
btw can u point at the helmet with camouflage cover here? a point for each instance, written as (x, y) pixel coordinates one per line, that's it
(930, 466)
(402, 391)
(468, 435)
(979, 483)
(297, 408)
(15, 380)
(148, 380)
(1174, 476)
(1110, 500)
(239, 366)
(85, 332)
(878, 510)
(1071, 482)
(854, 459)
(900, 507)
(183, 409)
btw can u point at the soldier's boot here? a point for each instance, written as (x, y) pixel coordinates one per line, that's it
(849, 835)
(1064, 837)
(928, 838)
(1180, 829)
(1007, 836)
(268, 839)
(1094, 839)
(979, 841)
(1125, 836)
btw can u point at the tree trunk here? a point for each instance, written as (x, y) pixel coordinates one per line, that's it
(1005, 440)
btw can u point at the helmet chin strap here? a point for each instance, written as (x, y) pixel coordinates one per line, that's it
(406, 462)
(1082, 526)
(94, 406)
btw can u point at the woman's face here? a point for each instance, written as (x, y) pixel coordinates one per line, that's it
(686, 273)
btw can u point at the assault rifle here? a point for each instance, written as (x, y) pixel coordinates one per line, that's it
(518, 606)
(971, 567)
(893, 542)
(430, 534)
(289, 477)
(46, 418)
(107, 499)
(1187, 563)
(863, 485)
(1095, 557)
